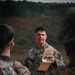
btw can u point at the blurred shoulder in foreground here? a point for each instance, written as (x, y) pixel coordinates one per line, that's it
(67, 38)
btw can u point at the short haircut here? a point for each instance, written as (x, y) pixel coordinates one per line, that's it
(40, 29)
(6, 35)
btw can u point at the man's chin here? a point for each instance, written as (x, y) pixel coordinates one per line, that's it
(41, 42)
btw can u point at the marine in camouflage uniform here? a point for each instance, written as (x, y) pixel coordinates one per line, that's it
(34, 58)
(67, 38)
(8, 67)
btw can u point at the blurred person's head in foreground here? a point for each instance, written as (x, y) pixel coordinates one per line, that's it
(6, 39)
(67, 33)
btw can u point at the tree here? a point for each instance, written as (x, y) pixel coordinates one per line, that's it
(24, 0)
(8, 0)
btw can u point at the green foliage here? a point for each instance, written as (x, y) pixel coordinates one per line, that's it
(12, 8)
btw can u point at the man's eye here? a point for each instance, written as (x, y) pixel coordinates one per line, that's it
(42, 34)
(38, 34)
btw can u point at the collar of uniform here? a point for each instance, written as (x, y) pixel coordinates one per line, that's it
(5, 58)
(42, 50)
(46, 45)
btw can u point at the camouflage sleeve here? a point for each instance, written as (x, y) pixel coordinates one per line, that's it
(58, 58)
(21, 69)
(26, 70)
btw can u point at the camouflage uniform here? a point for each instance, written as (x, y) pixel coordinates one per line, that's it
(67, 70)
(7, 67)
(34, 58)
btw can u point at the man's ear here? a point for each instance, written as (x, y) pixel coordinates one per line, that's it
(11, 45)
(46, 36)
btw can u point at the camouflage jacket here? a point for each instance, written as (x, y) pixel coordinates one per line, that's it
(67, 70)
(34, 58)
(9, 67)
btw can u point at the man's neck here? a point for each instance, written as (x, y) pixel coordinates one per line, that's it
(5, 53)
(40, 46)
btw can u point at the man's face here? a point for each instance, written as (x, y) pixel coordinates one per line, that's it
(40, 37)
